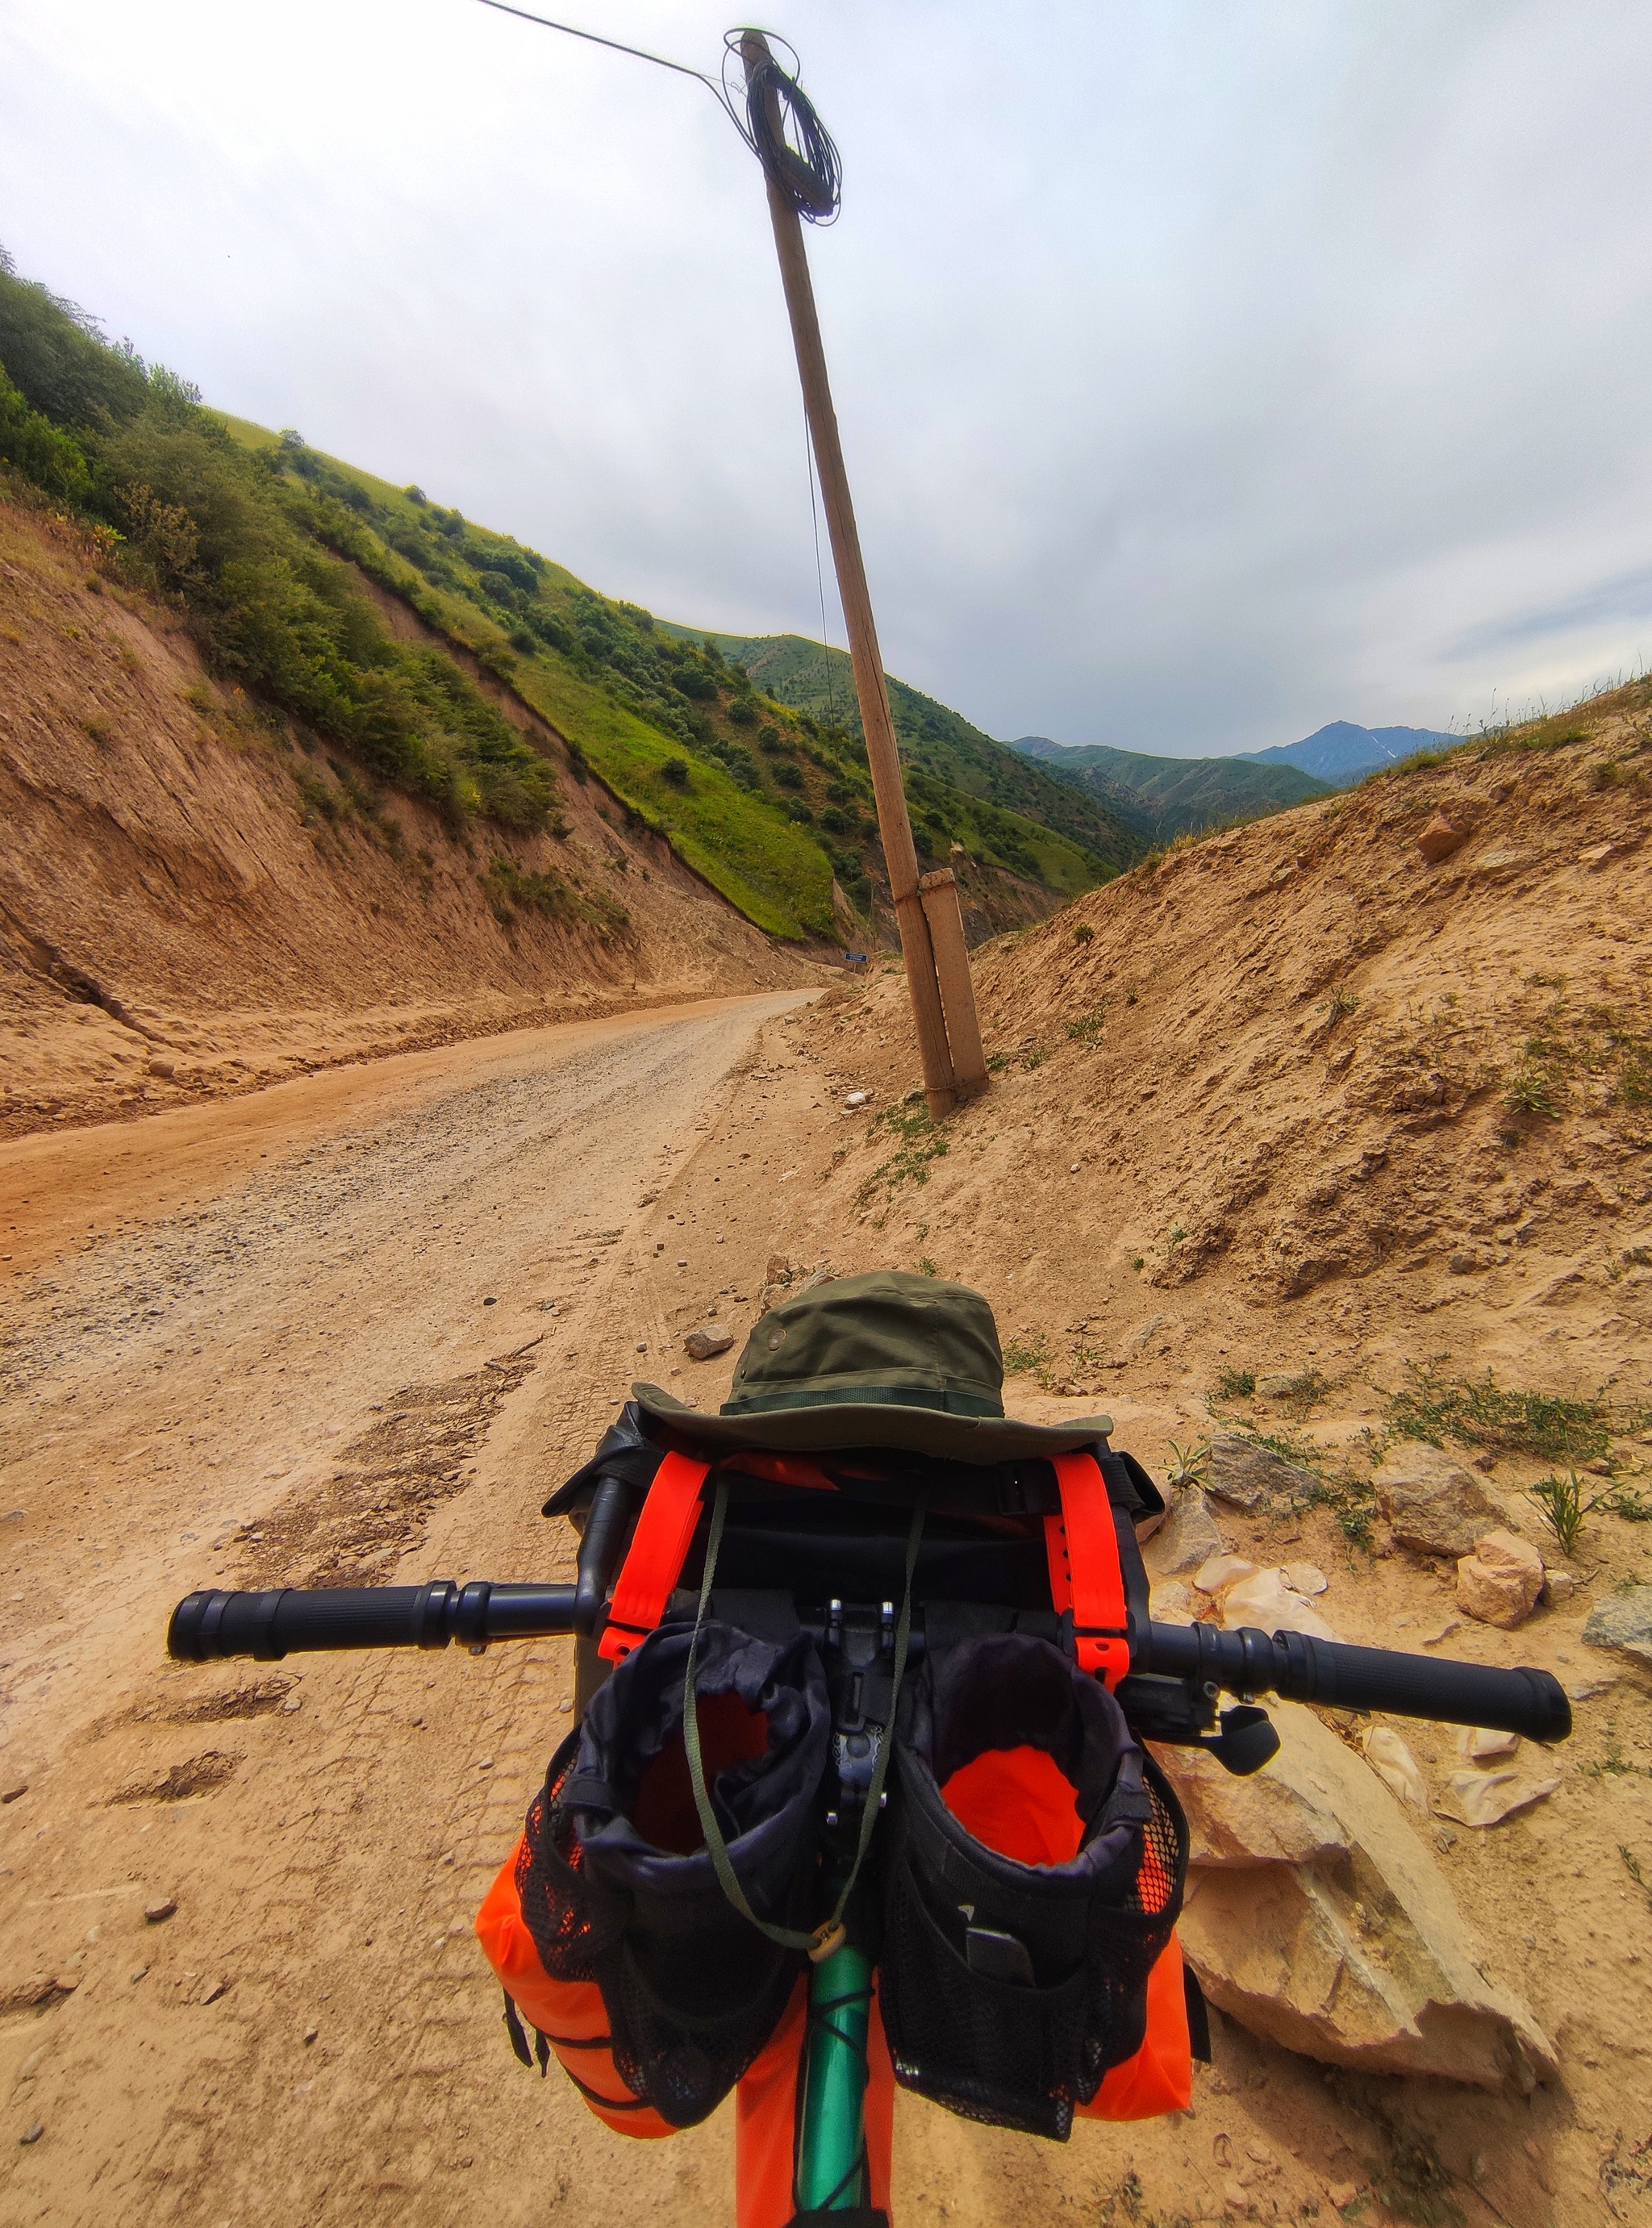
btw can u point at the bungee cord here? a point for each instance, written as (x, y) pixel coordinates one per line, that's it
(798, 155)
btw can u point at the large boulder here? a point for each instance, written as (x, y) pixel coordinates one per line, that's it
(1315, 1917)
(1623, 1624)
(1431, 1502)
(1246, 1475)
(1187, 1539)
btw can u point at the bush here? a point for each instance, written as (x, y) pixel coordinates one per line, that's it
(789, 776)
(675, 770)
(246, 543)
(742, 713)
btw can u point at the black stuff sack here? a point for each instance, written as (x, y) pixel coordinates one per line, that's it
(1032, 1877)
(619, 1888)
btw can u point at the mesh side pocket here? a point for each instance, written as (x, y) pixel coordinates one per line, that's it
(989, 2050)
(1125, 1942)
(683, 2061)
(567, 1917)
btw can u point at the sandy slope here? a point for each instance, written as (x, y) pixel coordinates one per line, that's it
(191, 902)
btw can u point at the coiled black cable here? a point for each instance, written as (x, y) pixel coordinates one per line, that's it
(795, 148)
(798, 152)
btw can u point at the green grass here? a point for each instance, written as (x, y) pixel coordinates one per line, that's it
(1074, 838)
(917, 1141)
(1480, 1413)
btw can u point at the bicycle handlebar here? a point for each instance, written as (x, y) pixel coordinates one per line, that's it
(1338, 1676)
(289, 1620)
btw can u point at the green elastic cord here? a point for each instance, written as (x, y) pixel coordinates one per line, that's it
(787, 1937)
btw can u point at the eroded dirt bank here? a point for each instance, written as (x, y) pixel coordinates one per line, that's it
(196, 899)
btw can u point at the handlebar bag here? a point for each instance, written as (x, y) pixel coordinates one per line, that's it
(619, 1888)
(1032, 1879)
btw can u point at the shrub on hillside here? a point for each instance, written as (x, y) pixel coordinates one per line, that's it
(235, 543)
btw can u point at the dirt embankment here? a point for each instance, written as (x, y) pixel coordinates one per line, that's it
(193, 901)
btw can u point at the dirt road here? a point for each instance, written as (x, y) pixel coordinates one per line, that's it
(366, 1314)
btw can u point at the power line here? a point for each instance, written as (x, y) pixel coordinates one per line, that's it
(798, 155)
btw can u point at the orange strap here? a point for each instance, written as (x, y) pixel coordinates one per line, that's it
(1086, 1574)
(654, 1561)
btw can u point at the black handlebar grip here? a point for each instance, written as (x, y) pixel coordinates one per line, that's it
(1526, 1701)
(291, 1619)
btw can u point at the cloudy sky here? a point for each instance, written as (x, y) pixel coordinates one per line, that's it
(1207, 369)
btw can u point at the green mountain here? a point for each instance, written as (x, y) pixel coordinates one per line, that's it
(938, 743)
(1161, 798)
(272, 549)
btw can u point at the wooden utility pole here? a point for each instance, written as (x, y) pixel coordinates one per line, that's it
(929, 916)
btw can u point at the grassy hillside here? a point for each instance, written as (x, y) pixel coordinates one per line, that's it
(1175, 796)
(942, 744)
(262, 541)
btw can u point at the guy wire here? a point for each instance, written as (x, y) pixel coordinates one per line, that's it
(820, 574)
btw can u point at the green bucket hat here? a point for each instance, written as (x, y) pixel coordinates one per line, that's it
(887, 1359)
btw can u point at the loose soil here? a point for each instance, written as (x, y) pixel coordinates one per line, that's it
(251, 1341)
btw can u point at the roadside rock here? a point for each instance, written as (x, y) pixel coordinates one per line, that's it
(1244, 1473)
(1439, 839)
(1431, 1501)
(1315, 1917)
(1187, 1539)
(1269, 1604)
(701, 1345)
(1501, 1581)
(1396, 1767)
(1624, 1623)
(1485, 1798)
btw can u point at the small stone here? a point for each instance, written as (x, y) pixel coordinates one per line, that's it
(1245, 1474)
(164, 1068)
(490, 1303)
(856, 1098)
(1500, 1583)
(1306, 1578)
(32, 2064)
(310, 2034)
(292, 1702)
(1485, 1798)
(1277, 1385)
(1170, 1602)
(1559, 1586)
(565, 1703)
(1624, 1625)
(1439, 839)
(31, 2134)
(1267, 1604)
(710, 1339)
(1431, 1501)
(1436, 1632)
(1396, 1767)
(136, 1975)
(1479, 1743)
(1585, 1690)
(484, 1763)
(155, 1912)
(1221, 1571)
(1187, 1539)
(212, 1990)
(15, 1792)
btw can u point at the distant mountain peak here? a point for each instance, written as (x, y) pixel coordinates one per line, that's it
(1341, 751)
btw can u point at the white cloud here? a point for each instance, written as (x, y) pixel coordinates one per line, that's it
(1207, 371)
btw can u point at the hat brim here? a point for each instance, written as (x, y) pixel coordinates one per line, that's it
(916, 1431)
